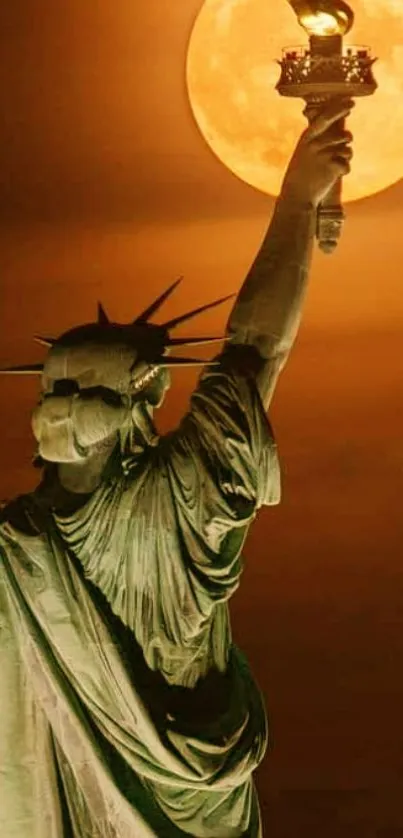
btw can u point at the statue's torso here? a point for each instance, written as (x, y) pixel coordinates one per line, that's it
(116, 619)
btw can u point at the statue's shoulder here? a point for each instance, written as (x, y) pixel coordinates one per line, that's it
(22, 514)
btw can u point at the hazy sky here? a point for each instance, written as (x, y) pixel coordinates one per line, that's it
(109, 191)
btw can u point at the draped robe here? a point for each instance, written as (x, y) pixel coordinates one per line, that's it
(126, 710)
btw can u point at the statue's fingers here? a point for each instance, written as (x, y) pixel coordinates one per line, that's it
(339, 164)
(342, 151)
(345, 151)
(344, 138)
(331, 114)
(343, 166)
(330, 140)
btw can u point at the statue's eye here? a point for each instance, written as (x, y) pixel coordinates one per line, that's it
(65, 387)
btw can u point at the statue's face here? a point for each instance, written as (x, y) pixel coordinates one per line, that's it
(91, 389)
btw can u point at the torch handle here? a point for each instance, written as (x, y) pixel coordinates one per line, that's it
(331, 215)
(330, 219)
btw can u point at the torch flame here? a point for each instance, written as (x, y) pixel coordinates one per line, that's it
(322, 23)
(323, 17)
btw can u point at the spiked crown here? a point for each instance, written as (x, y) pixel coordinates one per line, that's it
(152, 342)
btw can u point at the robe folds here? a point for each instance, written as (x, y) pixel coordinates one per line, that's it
(125, 709)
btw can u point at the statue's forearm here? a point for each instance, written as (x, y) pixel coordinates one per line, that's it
(267, 311)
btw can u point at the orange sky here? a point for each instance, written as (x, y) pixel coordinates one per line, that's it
(109, 191)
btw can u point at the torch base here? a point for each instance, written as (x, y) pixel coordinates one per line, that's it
(303, 90)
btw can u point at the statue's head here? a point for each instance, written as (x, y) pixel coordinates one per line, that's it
(102, 381)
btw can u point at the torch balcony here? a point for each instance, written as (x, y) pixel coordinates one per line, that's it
(304, 73)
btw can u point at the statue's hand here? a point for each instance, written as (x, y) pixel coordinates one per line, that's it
(321, 157)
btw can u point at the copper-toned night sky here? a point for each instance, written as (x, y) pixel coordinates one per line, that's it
(109, 191)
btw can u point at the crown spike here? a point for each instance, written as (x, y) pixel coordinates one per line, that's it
(172, 324)
(48, 342)
(184, 362)
(195, 341)
(103, 318)
(151, 309)
(28, 369)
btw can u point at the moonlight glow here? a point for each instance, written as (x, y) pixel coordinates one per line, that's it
(232, 74)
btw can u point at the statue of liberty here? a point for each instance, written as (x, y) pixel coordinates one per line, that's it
(126, 710)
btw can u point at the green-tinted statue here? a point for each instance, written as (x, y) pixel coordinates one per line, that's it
(126, 711)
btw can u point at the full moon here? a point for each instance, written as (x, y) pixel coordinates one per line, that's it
(231, 77)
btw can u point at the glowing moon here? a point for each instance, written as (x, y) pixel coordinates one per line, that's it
(232, 74)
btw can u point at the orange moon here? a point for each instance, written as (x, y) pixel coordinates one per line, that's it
(231, 76)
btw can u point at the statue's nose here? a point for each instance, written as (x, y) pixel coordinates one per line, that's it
(54, 409)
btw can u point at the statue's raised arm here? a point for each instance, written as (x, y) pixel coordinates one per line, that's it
(267, 312)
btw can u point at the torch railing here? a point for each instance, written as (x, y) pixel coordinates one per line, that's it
(299, 67)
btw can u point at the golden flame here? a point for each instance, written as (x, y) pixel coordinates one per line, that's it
(321, 23)
(323, 17)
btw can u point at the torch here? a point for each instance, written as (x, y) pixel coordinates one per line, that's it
(324, 71)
